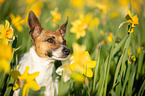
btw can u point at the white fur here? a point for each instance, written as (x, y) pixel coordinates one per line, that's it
(43, 65)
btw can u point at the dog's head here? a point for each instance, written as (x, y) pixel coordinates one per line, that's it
(48, 44)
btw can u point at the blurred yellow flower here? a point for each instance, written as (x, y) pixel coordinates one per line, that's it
(102, 7)
(136, 4)
(6, 55)
(1, 1)
(29, 81)
(55, 16)
(35, 7)
(92, 22)
(77, 3)
(79, 26)
(29, 1)
(133, 58)
(91, 3)
(110, 38)
(17, 22)
(114, 14)
(81, 61)
(6, 31)
(131, 19)
(4, 65)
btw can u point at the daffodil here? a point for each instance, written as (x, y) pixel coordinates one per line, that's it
(28, 80)
(81, 62)
(55, 16)
(131, 58)
(110, 38)
(30, 1)
(35, 7)
(114, 14)
(102, 7)
(91, 3)
(6, 31)
(77, 3)
(5, 56)
(17, 22)
(131, 19)
(92, 22)
(1, 1)
(79, 26)
(136, 4)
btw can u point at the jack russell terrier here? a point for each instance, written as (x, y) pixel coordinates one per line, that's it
(48, 46)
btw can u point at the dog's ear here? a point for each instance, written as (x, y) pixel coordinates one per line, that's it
(62, 28)
(34, 25)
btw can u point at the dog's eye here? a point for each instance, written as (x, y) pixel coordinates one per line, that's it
(64, 42)
(50, 40)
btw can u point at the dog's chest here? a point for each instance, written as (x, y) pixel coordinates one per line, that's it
(45, 75)
(37, 64)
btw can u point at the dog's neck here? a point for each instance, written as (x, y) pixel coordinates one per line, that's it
(37, 59)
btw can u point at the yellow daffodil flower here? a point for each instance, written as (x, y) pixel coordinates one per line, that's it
(131, 19)
(131, 58)
(35, 7)
(6, 55)
(102, 7)
(82, 63)
(6, 31)
(92, 22)
(1, 1)
(136, 4)
(114, 14)
(55, 16)
(66, 70)
(30, 1)
(17, 22)
(110, 38)
(77, 3)
(79, 26)
(28, 80)
(91, 3)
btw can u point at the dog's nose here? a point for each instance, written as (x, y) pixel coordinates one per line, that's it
(66, 51)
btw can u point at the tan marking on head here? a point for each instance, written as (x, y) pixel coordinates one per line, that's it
(41, 44)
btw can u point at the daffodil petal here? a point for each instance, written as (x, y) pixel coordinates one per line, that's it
(89, 73)
(5, 65)
(17, 85)
(7, 24)
(33, 76)
(91, 64)
(33, 85)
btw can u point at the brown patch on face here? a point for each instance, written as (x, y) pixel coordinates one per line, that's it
(44, 48)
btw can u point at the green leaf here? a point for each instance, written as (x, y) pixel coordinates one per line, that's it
(117, 47)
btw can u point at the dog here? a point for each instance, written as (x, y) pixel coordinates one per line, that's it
(48, 46)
